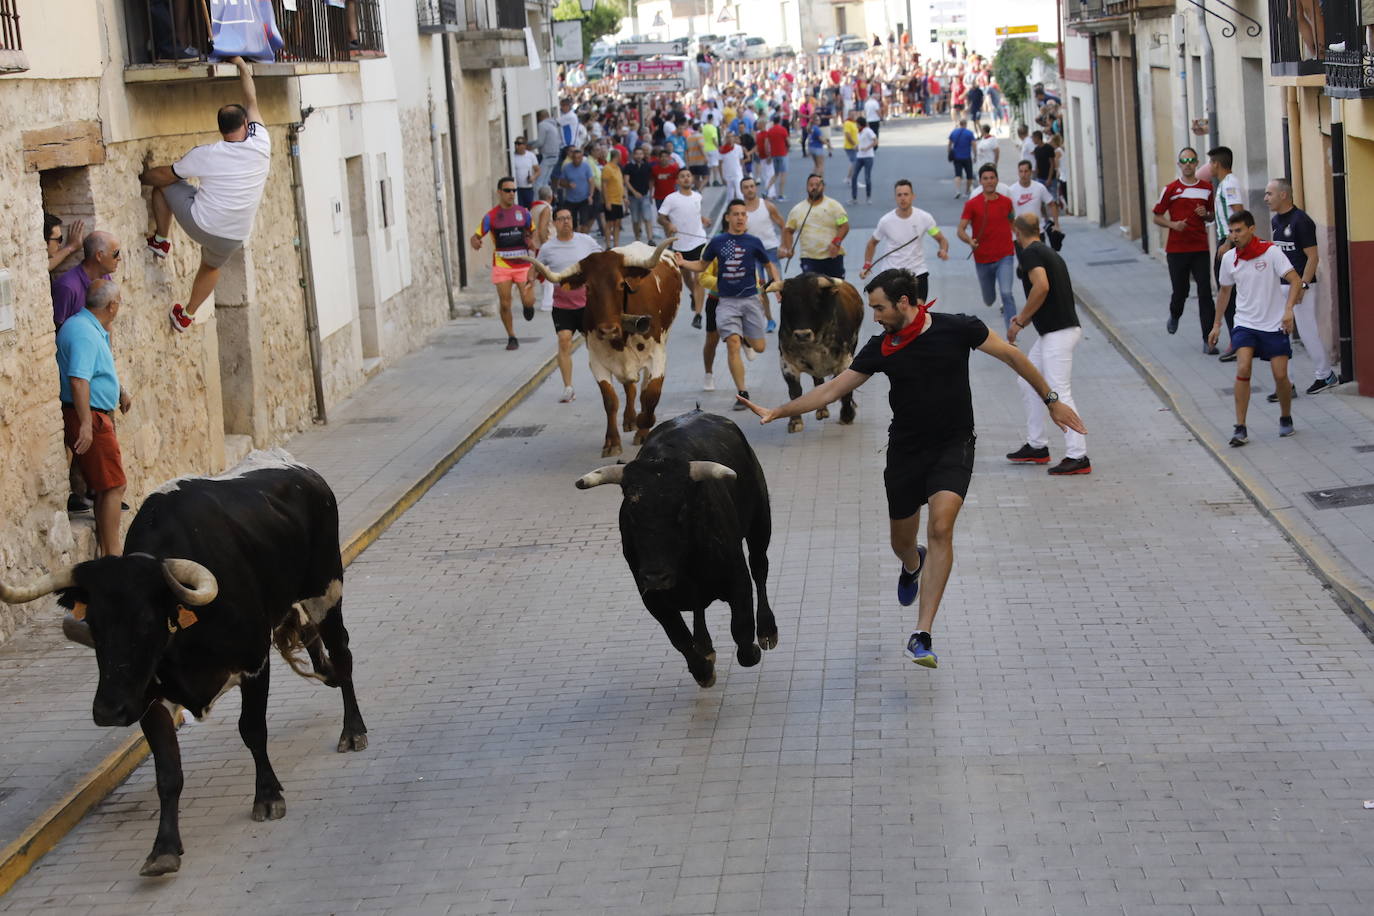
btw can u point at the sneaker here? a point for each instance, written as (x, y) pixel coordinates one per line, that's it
(739, 405)
(1171, 325)
(771, 327)
(180, 320)
(696, 321)
(1228, 357)
(1072, 466)
(1321, 384)
(919, 651)
(512, 343)
(708, 383)
(159, 249)
(79, 504)
(528, 311)
(1240, 437)
(751, 354)
(1028, 455)
(1286, 427)
(568, 395)
(1209, 351)
(909, 583)
(1273, 397)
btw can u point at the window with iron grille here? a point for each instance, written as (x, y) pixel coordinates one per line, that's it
(510, 14)
(9, 26)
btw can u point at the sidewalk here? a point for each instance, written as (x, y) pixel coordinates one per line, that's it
(1127, 292)
(382, 449)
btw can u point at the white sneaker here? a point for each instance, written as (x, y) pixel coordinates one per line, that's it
(709, 383)
(751, 354)
(568, 395)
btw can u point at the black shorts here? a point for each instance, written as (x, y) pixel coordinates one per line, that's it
(615, 211)
(712, 300)
(701, 171)
(693, 254)
(568, 319)
(582, 211)
(963, 168)
(913, 476)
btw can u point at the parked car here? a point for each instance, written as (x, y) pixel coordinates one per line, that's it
(831, 45)
(852, 46)
(707, 42)
(784, 51)
(754, 49)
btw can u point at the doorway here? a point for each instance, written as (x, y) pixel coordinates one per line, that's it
(354, 171)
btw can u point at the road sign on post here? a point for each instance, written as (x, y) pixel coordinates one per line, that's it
(651, 69)
(674, 84)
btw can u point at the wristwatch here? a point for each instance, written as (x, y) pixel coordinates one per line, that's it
(1051, 399)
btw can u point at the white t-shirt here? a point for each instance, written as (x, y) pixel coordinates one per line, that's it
(867, 141)
(524, 164)
(872, 110)
(669, 128)
(558, 255)
(1027, 200)
(567, 124)
(232, 176)
(1028, 150)
(985, 150)
(685, 213)
(1259, 296)
(1228, 193)
(893, 231)
(732, 162)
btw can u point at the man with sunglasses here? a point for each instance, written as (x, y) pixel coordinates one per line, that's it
(1185, 209)
(510, 227)
(101, 254)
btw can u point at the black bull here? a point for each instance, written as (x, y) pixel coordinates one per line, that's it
(216, 570)
(692, 494)
(817, 335)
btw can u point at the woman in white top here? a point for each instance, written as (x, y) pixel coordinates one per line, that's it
(731, 165)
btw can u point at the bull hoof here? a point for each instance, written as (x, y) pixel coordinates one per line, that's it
(610, 451)
(640, 436)
(846, 417)
(769, 641)
(749, 655)
(710, 680)
(270, 810)
(823, 413)
(794, 425)
(165, 864)
(628, 426)
(352, 741)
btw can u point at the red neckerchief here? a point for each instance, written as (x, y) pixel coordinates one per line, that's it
(894, 342)
(1257, 247)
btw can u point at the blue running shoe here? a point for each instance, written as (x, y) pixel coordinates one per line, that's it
(772, 326)
(919, 651)
(909, 583)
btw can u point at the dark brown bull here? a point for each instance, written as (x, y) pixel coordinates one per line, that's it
(817, 335)
(632, 297)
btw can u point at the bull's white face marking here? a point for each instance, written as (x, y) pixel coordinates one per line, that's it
(609, 364)
(314, 609)
(639, 251)
(262, 459)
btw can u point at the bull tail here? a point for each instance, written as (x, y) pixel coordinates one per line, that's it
(291, 639)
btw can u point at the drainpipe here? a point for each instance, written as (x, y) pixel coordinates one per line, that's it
(1139, 145)
(453, 154)
(1097, 122)
(1209, 80)
(1180, 26)
(436, 153)
(1292, 152)
(1338, 192)
(312, 312)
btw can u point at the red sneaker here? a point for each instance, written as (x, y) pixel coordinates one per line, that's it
(159, 249)
(180, 320)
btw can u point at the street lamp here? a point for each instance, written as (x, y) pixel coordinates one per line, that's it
(587, 5)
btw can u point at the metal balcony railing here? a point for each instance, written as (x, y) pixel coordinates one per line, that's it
(1344, 46)
(175, 31)
(9, 26)
(470, 15)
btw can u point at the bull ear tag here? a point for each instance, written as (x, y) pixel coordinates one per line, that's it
(79, 612)
(185, 616)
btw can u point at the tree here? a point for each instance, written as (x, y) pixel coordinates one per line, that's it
(1012, 66)
(604, 19)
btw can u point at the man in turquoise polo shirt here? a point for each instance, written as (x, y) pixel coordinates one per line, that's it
(90, 393)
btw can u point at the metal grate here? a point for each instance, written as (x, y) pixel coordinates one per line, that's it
(9, 26)
(1364, 448)
(1342, 497)
(372, 420)
(516, 432)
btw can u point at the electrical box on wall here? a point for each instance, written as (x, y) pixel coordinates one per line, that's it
(6, 301)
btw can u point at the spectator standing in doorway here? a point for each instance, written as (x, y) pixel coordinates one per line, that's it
(70, 288)
(1229, 200)
(1185, 209)
(61, 247)
(525, 165)
(1295, 235)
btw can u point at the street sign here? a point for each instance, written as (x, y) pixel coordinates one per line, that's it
(654, 69)
(1029, 32)
(647, 48)
(952, 33)
(663, 85)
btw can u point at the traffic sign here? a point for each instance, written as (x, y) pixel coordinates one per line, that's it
(647, 48)
(660, 85)
(658, 69)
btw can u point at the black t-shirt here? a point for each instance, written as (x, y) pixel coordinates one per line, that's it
(1044, 161)
(974, 98)
(1057, 312)
(1293, 232)
(930, 397)
(640, 175)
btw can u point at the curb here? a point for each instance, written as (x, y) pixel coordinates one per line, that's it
(57, 821)
(1356, 598)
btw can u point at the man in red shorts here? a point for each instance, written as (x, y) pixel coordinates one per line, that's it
(509, 225)
(90, 393)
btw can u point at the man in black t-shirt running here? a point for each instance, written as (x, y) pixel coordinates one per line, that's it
(930, 440)
(1049, 306)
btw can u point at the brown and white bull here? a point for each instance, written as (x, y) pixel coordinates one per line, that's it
(817, 335)
(632, 298)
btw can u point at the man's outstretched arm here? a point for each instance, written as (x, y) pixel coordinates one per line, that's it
(250, 91)
(815, 399)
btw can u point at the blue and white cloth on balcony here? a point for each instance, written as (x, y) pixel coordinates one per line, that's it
(244, 28)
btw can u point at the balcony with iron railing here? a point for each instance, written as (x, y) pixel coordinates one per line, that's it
(12, 59)
(1344, 43)
(1109, 15)
(489, 33)
(171, 39)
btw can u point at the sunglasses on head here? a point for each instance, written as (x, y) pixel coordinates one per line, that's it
(58, 239)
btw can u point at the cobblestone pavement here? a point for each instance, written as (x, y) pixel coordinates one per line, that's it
(1146, 703)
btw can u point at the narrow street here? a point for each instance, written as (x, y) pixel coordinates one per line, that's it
(1146, 703)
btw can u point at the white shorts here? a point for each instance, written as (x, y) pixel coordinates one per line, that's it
(713, 157)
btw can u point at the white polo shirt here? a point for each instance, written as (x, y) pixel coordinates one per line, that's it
(1259, 296)
(684, 211)
(1028, 200)
(232, 177)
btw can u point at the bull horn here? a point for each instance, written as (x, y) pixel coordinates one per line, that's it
(709, 470)
(191, 582)
(825, 282)
(611, 473)
(52, 582)
(653, 259)
(549, 275)
(774, 287)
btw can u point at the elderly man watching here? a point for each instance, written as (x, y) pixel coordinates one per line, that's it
(90, 393)
(101, 256)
